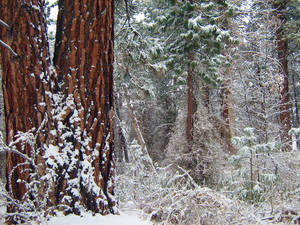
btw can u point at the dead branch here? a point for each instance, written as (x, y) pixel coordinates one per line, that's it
(2, 23)
(9, 48)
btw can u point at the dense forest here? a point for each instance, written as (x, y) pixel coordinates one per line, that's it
(187, 110)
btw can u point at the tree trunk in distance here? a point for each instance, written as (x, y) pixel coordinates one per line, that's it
(227, 113)
(282, 51)
(190, 109)
(138, 131)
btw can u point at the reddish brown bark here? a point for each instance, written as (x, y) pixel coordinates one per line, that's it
(84, 62)
(282, 51)
(227, 114)
(25, 80)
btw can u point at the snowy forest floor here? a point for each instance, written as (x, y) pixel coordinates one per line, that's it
(126, 217)
(204, 205)
(129, 215)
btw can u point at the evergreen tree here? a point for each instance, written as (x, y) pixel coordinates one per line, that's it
(192, 39)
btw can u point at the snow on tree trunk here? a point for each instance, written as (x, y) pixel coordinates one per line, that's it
(84, 61)
(25, 80)
(25, 83)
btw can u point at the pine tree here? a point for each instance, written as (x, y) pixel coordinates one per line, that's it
(192, 39)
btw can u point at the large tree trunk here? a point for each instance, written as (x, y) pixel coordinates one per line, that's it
(26, 93)
(25, 81)
(77, 137)
(84, 62)
(282, 49)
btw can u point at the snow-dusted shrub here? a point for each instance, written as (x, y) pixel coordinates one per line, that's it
(139, 181)
(30, 207)
(34, 205)
(169, 195)
(204, 157)
(261, 172)
(198, 206)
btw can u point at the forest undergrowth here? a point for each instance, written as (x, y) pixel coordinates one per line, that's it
(233, 191)
(169, 195)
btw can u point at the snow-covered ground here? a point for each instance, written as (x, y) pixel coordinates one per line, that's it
(132, 217)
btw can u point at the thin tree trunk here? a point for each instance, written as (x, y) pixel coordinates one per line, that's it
(120, 134)
(296, 116)
(190, 110)
(282, 49)
(3, 132)
(227, 114)
(84, 61)
(138, 131)
(226, 94)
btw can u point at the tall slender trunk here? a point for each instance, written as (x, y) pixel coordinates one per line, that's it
(3, 131)
(227, 131)
(84, 61)
(190, 110)
(227, 114)
(120, 134)
(138, 131)
(296, 113)
(282, 51)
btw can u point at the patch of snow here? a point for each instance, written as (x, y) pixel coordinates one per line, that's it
(125, 218)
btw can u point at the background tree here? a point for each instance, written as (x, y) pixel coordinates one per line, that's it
(282, 52)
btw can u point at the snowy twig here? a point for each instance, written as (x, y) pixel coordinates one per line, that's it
(189, 176)
(2, 23)
(9, 48)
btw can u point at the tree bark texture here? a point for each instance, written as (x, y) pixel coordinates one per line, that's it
(84, 62)
(25, 83)
(282, 51)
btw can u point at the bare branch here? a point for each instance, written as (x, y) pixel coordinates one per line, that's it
(2, 23)
(9, 48)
